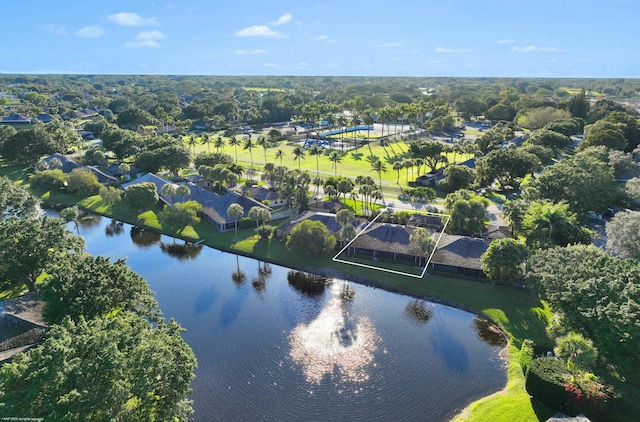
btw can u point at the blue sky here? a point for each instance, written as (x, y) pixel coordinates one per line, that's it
(499, 38)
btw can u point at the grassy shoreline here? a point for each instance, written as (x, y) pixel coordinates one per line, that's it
(518, 312)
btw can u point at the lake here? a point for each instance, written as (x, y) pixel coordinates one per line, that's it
(277, 345)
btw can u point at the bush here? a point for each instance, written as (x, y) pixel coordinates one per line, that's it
(48, 179)
(586, 394)
(83, 182)
(546, 380)
(264, 231)
(526, 355)
(246, 223)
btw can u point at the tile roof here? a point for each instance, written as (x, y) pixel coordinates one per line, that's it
(460, 251)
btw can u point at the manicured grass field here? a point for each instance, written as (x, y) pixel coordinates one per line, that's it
(354, 162)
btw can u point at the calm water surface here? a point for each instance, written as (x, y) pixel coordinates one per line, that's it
(273, 345)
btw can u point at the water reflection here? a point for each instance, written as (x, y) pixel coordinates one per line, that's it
(489, 333)
(88, 220)
(183, 252)
(114, 228)
(259, 282)
(419, 311)
(238, 276)
(144, 238)
(310, 285)
(335, 345)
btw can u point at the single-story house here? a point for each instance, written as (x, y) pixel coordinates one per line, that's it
(431, 179)
(318, 205)
(70, 163)
(264, 195)
(45, 117)
(388, 241)
(459, 255)
(493, 232)
(214, 205)
(422, 220)
(328, 219)
(16, 120)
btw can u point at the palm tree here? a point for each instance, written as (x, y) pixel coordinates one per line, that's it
(368, 120)
(123, 169)
(318, 181)
(408, 164)
(55, 163)
(248, 144)
(192, 143)
(298, 154)
(342, 121)
(182, 191)
(235, 211)
(262, 141)
(514, 212)
(219, 143)
(316, 151)
(235, 142)
(379, 167)
(335, 157)
(168, 189)
(279, 154)
(355, 121)
(397, 166)
(206, 140)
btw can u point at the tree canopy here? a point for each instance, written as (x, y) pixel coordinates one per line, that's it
(30, 246)
(311, 237)
(503, 262)
(598, 295)
(118, 368)
(141, 195)
(16, 201)
(93, 287)
(583, 181)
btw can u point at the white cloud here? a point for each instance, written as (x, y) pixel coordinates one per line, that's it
(505, 41)
(132, 19)
(258, 31)
(325, 38)
(286, 18)
(534, 49)
(146, 39)
(450, 50)
(244, 52)
(274, 66)
(390, 44)
(54, 29)
(90, 32)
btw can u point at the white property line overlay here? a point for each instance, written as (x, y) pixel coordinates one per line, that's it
(424, 270)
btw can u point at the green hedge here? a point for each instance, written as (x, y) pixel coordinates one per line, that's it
(545, 382)
(526, 355)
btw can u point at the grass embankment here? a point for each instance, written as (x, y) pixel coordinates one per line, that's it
(518, 312)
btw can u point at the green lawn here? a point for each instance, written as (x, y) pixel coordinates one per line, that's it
(354, 162)
(519, 312)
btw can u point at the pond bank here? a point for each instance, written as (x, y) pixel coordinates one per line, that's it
(517, 312)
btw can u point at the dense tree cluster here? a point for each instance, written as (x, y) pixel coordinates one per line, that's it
(107, 354)
(597, 295)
